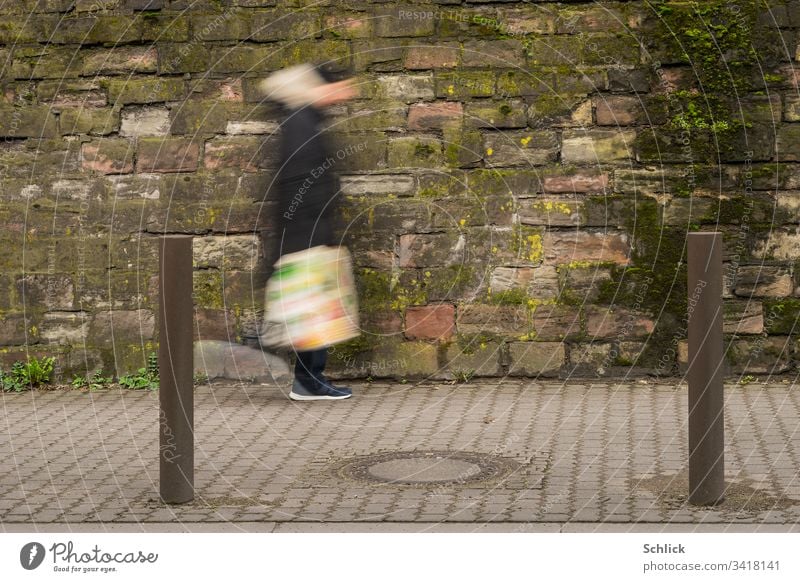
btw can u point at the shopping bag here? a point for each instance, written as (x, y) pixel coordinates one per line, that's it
(310, 300)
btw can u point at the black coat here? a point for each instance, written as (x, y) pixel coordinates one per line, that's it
(306, 183)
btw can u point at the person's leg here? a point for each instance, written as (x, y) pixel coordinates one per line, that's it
(310, 382)
(309, 366)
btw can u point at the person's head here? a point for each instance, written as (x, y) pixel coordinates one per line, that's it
(319, 85)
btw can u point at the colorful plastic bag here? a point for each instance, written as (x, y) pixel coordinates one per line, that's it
(311, 300)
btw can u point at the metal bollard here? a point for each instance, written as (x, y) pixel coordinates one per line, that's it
(705, 374)
(176, 366)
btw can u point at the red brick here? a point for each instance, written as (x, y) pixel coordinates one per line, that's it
(617, 323)
(232, 152)
(618, 110)
(430, 322)
(108, 156)
(167, 155)
(562, 247)
(434, 115)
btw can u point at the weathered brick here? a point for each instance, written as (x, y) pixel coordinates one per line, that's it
(497, 114)
(167, 155)
(226, 252)
(536, 358)
(430, 322)
(377, 116)
(135, 186)
(463, 146)
(381, 184)
(17, 329)
(762, 355)
(108, 156)
(525, 83)
(556, 322)
(431, 250)
(379, 54)
(585, 181)
(511, 320)
(493, 53)
(463, 84)
(415, 152)
(596, 145)
(51, 291)
(589, 359)
(91, 121)
(742, 317)
(119, 60)
(144, 121)
(213, 324)
(763, 281)
(280, 24)
(128, 326)
(567, 246)
(231, 24)
(780, 245)
(617, 322)
(434, 115)
(167, 27)
(788, 144)
(156, 90)
(476, 358)
(242, 152)
(791, 110)
(551, 212)
(391, 358)
(553, 50)
(618, 110)
(442, 56)
(406, 88)
(29, 121)
(560, 110)
(520, 148)
(399, 21)
(69, 327)
(183, 58)
(349, 24)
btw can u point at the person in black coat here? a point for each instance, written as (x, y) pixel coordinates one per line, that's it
(307, 189)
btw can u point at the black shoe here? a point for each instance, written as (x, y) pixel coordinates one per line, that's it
(324, 391)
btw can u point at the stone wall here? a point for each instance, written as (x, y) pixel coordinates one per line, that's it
(518, 178)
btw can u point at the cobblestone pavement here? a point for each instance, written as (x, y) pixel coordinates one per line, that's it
(573, 453)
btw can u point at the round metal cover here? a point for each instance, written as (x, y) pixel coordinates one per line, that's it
(427, 468)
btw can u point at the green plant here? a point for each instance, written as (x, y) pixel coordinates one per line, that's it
(463, 376)
(745, 380)
(144, 378)
(28, 374)
(94, 382)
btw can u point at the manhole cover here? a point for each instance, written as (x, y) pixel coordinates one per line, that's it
(427, 467)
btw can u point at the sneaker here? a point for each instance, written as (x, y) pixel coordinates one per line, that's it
(325, 391)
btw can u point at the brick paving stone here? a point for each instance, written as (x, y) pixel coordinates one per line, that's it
(599, 445)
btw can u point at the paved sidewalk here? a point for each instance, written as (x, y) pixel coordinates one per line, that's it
(572, 457)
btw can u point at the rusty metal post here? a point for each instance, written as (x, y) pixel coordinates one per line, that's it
(175, 365)
(705, 374)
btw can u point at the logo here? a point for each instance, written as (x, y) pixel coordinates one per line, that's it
(31, 555)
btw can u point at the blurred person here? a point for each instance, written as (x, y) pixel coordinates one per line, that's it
(307, 188)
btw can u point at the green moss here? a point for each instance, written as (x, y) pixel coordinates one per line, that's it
(509, 297)
(423, 150)
(450, 281)
(781, 316)
(378, 290)
(727, 50)
(208, 289)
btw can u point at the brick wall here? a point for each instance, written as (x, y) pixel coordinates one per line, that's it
(518, 178)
